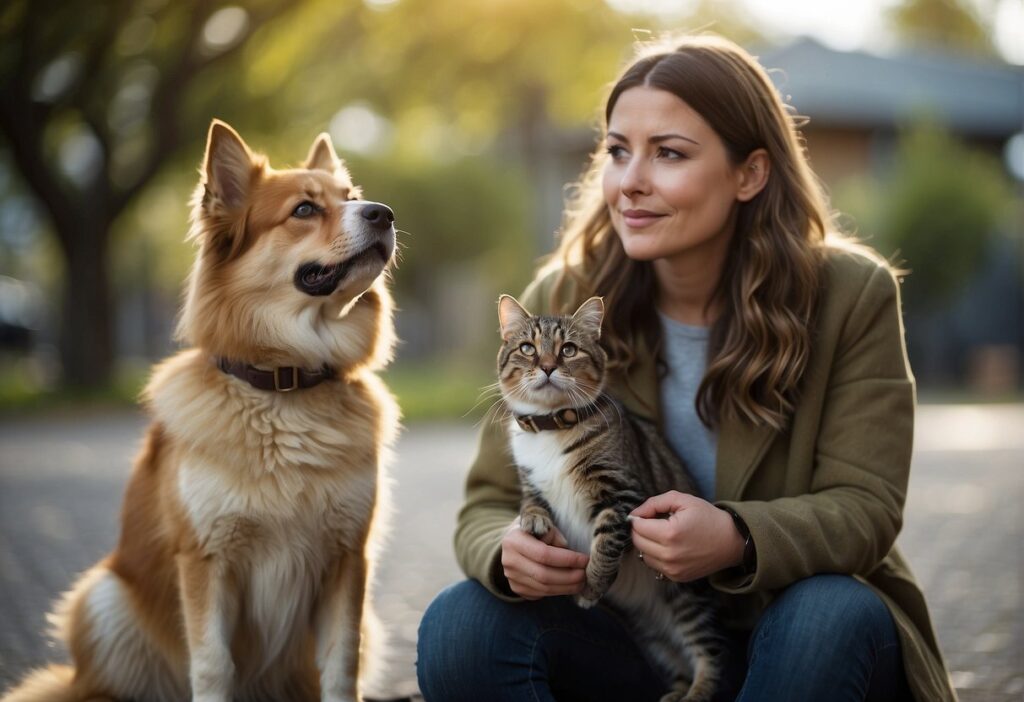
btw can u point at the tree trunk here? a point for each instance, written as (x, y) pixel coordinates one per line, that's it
(86, 341)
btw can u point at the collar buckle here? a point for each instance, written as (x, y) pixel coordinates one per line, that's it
(293, 371)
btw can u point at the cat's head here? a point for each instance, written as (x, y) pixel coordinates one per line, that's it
(550, 362)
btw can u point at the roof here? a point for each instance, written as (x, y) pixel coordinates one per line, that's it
(858, 89)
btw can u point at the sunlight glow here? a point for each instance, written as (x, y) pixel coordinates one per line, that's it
(225, 27)
(357, 127)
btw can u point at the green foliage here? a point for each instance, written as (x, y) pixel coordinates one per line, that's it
(450, 213)
(934, 214)
(945, 204)
(949, 24)
(440, 391)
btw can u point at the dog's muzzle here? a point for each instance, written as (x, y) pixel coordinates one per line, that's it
(319, 279)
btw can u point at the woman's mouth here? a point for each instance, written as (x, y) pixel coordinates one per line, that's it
(638, 219)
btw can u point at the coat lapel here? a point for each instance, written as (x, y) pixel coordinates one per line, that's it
(638, 390)
(741, 446)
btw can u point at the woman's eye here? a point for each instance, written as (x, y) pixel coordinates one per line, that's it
(568, 350)
(304, 210)
(670, 154)
(527, 349)
(616, 152)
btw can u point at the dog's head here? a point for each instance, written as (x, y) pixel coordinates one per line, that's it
(290, 262)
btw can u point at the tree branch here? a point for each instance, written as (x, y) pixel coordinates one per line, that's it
(188, 63)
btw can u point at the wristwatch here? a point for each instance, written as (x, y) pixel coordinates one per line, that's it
(749, 564)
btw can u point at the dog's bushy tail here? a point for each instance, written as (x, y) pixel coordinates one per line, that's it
(54, 683)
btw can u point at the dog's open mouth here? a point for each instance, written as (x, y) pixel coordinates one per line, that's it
(319, 279)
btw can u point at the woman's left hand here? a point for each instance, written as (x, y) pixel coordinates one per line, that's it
(696, 540)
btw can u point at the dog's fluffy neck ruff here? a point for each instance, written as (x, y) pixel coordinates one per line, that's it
(346, 335)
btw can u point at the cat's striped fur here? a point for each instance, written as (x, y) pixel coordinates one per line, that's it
(586, 478)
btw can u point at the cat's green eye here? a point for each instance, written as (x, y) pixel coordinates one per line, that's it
(568, 350)
(527, 349)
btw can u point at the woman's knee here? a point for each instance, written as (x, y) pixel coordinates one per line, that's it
(828, 613)
(459, 639)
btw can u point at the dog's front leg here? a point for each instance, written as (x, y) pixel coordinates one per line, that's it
(209, 621)
(339, 632)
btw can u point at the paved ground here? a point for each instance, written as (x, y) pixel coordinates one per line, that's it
(61, 480)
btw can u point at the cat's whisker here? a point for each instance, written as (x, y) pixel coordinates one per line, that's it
(497, 412)
(486, 393)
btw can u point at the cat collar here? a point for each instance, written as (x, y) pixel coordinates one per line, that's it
(564, 418)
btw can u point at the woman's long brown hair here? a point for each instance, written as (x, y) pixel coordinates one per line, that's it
(769, 287)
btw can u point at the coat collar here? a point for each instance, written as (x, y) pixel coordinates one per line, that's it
(741, 445)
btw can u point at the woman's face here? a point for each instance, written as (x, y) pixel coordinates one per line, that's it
(670, 187)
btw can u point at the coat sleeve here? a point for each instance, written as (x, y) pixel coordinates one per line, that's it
(492, 492)
(849, 518)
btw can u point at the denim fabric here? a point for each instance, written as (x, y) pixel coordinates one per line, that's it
(828, 637)
(825, 638)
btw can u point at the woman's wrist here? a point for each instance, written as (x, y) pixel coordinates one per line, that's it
(741, 551)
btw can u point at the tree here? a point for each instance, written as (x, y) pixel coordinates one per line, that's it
(948, 24)
(944, 205)
(91, 107)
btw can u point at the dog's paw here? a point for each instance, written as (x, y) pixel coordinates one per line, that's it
(536, 524)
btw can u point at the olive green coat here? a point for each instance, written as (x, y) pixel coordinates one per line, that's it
(823, 496)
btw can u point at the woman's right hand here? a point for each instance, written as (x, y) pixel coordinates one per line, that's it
(541, 567)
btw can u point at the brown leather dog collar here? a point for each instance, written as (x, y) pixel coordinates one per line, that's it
(283, 379)
(562, 419)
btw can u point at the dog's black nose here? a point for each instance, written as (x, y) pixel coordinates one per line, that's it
(378, 215)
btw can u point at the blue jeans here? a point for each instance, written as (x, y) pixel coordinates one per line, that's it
(824, 638)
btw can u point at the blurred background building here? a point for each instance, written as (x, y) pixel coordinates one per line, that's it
(469, 119)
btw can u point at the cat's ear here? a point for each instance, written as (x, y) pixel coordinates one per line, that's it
(589, 316)
(510, 314)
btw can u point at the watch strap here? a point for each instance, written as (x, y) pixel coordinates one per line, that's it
(749, 564)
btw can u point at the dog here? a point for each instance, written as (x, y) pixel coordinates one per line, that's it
(248, 522)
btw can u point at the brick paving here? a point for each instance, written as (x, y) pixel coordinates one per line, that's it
(61, 480)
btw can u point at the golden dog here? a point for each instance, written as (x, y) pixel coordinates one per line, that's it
(242, 567)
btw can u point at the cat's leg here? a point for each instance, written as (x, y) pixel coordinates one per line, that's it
(695, 632)
(612, 536)
(534, 512)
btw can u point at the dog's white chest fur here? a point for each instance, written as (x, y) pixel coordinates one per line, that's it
(273, 533)
(540, 455)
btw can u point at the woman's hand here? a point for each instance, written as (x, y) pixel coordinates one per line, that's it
(696, 540)
(544, 567)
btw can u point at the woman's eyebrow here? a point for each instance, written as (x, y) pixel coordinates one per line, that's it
(656, 139)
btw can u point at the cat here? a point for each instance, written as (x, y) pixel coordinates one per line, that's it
(584, 464)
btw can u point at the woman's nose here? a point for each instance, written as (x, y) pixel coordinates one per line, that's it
(635, 180)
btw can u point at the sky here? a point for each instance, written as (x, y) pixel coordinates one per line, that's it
(848, 24)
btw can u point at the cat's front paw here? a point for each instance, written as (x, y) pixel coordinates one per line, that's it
(536, 524)
(588, 598)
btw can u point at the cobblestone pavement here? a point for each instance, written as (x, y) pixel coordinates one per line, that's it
(61, 480)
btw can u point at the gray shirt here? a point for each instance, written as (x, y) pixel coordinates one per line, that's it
(685, 352)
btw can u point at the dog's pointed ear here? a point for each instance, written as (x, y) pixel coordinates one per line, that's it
(590, 315)
(322, 155)
(228, 166)
(510, 314)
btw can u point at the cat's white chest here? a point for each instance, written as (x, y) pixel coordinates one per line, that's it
(541, 455)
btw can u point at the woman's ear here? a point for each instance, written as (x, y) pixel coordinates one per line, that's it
(753, 175)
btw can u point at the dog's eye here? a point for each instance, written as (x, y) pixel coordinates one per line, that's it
(527, 349)
(568, 350)
(304, 210)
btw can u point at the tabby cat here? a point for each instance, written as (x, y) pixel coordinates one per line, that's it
(584, 464)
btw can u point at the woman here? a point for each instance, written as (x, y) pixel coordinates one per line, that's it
(771, 352)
